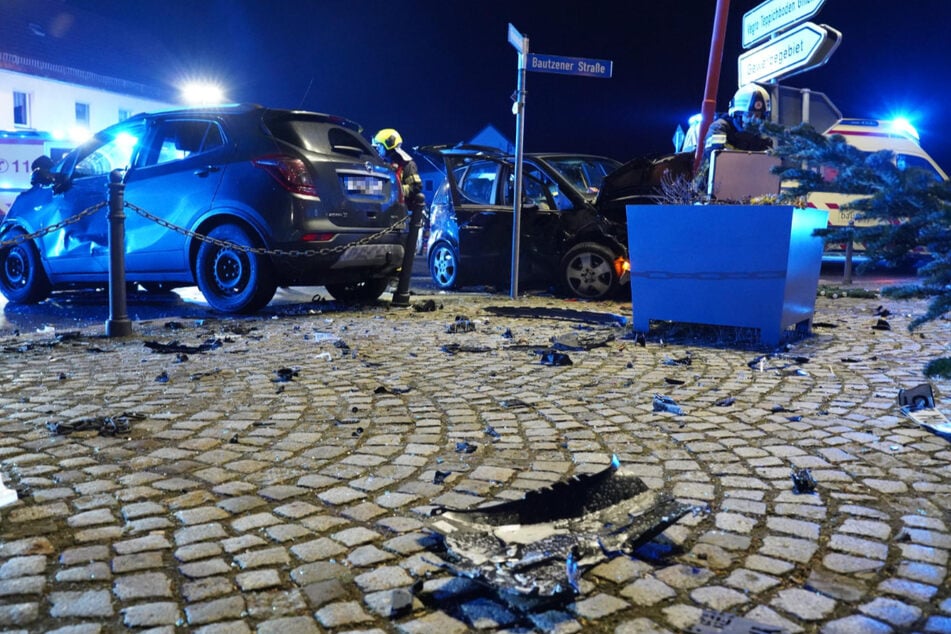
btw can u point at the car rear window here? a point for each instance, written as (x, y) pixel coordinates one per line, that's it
(320, 136)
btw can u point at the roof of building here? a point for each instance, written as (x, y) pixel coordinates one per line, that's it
(56, 40)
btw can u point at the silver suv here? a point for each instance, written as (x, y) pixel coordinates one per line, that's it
(236, 199)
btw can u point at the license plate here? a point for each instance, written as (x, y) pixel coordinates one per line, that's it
(365, 185)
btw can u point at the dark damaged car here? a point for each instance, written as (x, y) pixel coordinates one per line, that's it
(236, 199)
(565, 242)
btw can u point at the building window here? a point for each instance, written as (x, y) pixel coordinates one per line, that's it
(82, 114)
(124, 114)
(21, 109)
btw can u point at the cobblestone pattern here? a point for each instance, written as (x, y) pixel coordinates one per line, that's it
(243, 502)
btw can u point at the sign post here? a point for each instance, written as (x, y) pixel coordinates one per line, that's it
(542, 64)
(520, 42)
(803, 48)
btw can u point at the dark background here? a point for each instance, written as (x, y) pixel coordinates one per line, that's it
(440, 70)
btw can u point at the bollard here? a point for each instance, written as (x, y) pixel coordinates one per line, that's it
(401, 294)
(847, 267)
(118, 324)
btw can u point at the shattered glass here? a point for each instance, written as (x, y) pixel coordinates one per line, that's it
(539, 545)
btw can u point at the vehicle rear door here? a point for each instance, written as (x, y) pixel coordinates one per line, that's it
(174, 178)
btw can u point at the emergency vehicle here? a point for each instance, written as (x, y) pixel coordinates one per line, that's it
(18, 150)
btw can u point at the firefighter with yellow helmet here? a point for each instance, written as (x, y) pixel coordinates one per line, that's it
(387, 143)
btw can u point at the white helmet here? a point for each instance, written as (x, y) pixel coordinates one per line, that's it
(752, 100)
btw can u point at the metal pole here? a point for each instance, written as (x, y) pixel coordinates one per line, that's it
(847, 267)
(401, 295)
(519, 154)
(118, 324)
(713, 77)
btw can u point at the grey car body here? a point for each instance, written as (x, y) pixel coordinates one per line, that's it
(243, 199)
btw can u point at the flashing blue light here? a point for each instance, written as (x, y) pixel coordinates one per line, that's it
(901, 125)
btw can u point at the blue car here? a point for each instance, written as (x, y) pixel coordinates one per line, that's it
(237, 200)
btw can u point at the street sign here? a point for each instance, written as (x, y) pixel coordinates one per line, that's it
(569, 65)
(516, 39)
(803, 48)
(775, 15)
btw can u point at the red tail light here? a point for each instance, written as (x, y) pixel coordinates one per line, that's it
(290, 173)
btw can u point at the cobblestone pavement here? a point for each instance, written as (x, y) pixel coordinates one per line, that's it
(278, 476)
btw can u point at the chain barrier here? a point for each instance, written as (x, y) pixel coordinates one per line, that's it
(39, 233)
(198, 236)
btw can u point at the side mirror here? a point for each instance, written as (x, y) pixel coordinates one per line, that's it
(61, 183)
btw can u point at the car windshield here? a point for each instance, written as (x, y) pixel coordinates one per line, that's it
(585, 173)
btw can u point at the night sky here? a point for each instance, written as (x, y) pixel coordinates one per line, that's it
(440, 70)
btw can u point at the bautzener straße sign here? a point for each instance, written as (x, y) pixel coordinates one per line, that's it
(569, 65)
(805, 47)
(775, 15)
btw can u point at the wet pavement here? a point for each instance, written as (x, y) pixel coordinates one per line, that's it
(277, 473)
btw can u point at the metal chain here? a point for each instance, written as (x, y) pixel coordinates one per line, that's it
(261, 250)
(39, 233)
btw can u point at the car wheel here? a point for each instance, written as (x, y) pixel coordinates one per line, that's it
(587, 271)
(22, 278)
(444, 265)
(233, 279)
(361, 292)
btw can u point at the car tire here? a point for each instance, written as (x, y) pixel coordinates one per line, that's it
(587, 271)
(359, 293)
(444, 266)
(233, 279)
(22, 278)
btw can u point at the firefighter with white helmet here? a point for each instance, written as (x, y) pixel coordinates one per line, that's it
(750, 103)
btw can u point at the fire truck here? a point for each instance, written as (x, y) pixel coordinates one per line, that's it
(18, 150)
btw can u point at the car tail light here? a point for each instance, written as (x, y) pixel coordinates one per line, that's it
(291, 173)
(318, 237)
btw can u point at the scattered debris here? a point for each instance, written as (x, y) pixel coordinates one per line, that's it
(715, 622)
(803, 482)
(561, 314)
(666, 404)
(462, 324)
(513, 403)
(641, 340)
(726, 401)
(453, 348)
(285, 375)
(881, 311)
(176, 347)
(881, 324)
(576, 341)
(553, 357)
(174, 325)
(162, 378)
(465, 447)
(105, 425)
(687, 360)
(426, 306)
(918, 404)
(382, 389)
(490, 431)
(197, 376)
(440, 476)
(537, 547)
(670, 381)
(7, 496)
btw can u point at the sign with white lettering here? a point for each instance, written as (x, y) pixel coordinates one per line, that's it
(569, 65)
(775, 15)
(516, 39)
(801, 49)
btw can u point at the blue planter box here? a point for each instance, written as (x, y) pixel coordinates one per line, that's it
(730, 265)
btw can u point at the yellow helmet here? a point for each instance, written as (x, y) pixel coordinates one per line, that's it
(388, 138)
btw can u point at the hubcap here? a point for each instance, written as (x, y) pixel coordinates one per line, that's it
(589, 275)
(228, 270)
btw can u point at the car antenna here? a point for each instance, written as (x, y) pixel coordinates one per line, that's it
(306, 92)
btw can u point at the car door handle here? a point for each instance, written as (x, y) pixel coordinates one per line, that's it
(206, 170)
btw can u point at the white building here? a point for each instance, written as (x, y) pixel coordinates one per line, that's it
(64, 74)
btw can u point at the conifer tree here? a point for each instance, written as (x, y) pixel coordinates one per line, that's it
(910, 210)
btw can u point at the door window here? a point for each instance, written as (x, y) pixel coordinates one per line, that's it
(178, 139)
(113, 153)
